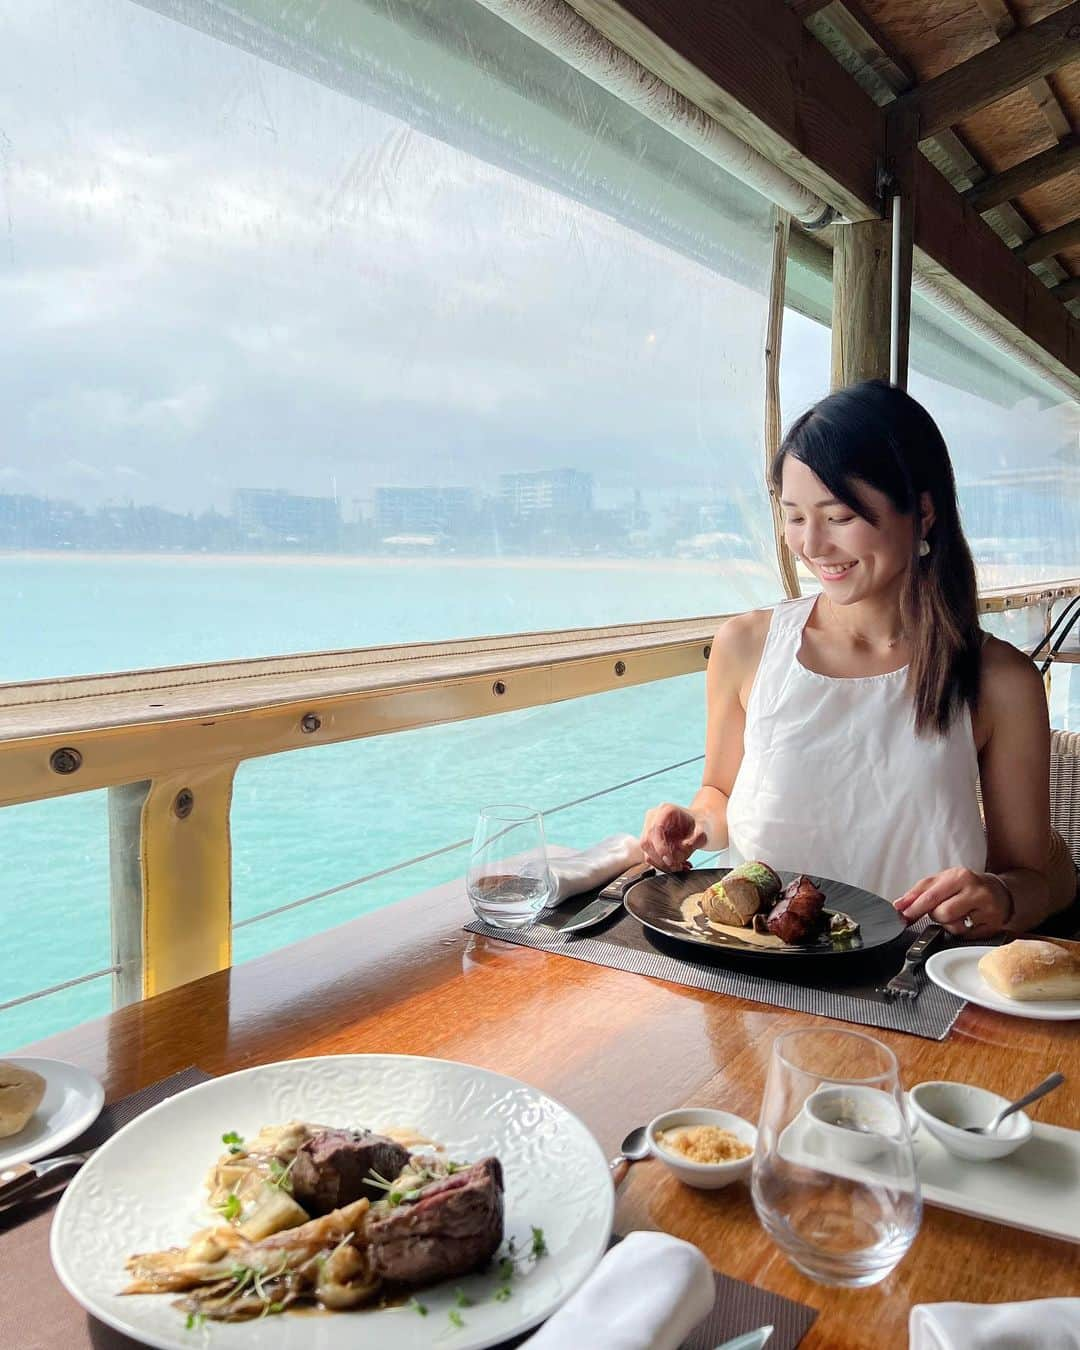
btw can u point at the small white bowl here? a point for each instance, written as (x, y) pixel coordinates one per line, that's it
(945, 1108)
(705, 1176)
(875, 1123)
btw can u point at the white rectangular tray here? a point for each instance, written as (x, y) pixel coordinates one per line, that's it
(1037, 1188)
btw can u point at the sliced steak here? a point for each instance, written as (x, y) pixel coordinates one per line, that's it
(797, 915)
(452, 1229)
(334, 1167)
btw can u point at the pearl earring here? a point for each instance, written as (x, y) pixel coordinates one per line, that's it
(924, 548)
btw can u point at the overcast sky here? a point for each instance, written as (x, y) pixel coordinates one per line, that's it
(215, 273)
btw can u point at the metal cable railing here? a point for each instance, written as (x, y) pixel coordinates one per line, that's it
(58, 988)
(359, 881)
(459, 843)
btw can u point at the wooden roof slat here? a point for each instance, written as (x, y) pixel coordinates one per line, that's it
(1067, 290)
(1023, 56)
(1004, 22)
(867, 53)
(1046, 245)
(1040, 168)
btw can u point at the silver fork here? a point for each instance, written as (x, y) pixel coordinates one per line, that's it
(906, 983)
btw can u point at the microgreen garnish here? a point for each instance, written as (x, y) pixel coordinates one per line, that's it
(417, 1306)
(456, 1318)
(279, 1174)
(194, 1321)
(539, 1246)
(235, 1141)
(462, 1299)
(231, 1208)
(502, 1293)
(506, 1268)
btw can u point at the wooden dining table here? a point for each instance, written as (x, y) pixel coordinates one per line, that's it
(616, 1049)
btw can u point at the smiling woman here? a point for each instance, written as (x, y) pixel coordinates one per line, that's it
(849, 732)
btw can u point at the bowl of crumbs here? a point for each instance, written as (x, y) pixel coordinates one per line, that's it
(703, 1147)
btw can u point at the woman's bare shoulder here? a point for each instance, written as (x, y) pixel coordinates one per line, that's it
(1006, 666)
(1008, 679)
(740, 641)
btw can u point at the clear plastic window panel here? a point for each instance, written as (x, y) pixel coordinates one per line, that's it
(307, 824)
(1014, 443)
(54, 910)
(336, 325)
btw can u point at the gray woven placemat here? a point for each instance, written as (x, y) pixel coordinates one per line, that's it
(819, 988)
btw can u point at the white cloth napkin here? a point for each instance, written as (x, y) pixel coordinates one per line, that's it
(595, 866)
(648, 1293)
(1042, 1324)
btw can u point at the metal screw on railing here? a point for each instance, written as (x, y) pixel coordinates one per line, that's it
(184, 803)
(708, 650)
(310, 722)
(65, 760)
(620, 667)
(498, 688)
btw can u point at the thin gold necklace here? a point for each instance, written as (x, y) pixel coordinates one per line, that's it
(859, 637)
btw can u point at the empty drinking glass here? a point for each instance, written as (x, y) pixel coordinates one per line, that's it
(509, 882)
(834, 1180)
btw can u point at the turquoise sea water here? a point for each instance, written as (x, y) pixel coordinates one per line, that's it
(311, 820)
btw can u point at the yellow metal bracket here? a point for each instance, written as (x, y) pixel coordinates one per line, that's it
(171, 879)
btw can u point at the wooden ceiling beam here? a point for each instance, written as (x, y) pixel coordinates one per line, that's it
(1003, 22)
(753, 66)
(1040, 168)
(1067, 290)
(1046, 245)
(1023, 56)
(866, 53)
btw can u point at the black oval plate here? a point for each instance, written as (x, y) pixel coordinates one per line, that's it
(655, 903)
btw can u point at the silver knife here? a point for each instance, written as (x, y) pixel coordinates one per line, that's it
(609, 899)
(753, 1340)
(21, 1179)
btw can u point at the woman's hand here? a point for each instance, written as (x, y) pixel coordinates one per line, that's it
(670, 834)
(956, 894)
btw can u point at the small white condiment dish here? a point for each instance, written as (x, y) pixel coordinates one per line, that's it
(855, 1122)
(705, 1176)
(945, 1108)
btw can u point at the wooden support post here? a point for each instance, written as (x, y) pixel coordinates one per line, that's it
(170, 872)
(773, 429)
(861, 308)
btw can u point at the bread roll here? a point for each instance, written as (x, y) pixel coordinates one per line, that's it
(1034, 968)
(733, 901)
(21, 1091)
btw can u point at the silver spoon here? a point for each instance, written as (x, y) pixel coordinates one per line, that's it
(1047, 1085)
(633, 1148)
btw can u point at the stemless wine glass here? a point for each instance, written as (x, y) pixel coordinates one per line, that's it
(509, 882)
(834, 1180)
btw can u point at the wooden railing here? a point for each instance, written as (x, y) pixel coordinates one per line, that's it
(166, 745)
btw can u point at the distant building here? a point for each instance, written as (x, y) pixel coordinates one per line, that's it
(568, 492)
(283, 517)
(424, 510)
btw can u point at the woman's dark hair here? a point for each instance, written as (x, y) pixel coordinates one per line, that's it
(877, 434)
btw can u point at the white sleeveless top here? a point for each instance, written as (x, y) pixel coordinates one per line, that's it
(834, 781)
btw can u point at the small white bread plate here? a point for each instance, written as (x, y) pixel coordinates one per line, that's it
(957, 971)
(1037, 1188)
(72, 1102)
(143, 1191)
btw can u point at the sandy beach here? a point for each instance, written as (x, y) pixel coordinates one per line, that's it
(698, 566)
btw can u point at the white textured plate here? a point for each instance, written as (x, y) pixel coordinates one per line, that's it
(72, 1102)
(143, 1190)
(958, 972)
